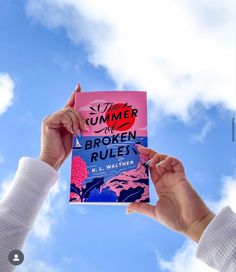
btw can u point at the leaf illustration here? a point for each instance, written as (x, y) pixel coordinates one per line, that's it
(131, 195)
(92, 108)
(125, 124)
(95, 183)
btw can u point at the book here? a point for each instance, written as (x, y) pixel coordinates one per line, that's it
(106, 166)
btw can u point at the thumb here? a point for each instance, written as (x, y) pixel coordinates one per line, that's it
(71, 100)
(143, 208)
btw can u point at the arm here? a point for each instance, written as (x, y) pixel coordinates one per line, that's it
(180, 208)
(34, 178)
(20, 207)
(217, 246)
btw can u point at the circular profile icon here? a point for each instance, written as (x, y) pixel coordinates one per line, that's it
(16, 257)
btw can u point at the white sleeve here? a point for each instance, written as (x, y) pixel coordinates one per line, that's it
(19, 208)
(217, 246)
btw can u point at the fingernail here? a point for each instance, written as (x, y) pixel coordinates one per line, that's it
(87, 129)
(79, 134)
(159, 163)
(138, 145)
(147, 162)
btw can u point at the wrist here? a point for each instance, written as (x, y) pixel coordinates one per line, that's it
(55, 163)
(197, 228)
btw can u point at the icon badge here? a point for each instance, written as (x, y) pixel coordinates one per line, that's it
(16, 257)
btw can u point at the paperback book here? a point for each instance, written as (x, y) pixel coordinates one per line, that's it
(106, 166)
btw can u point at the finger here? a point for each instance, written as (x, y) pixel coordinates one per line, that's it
(143, 208)
(156, 174)
(172, 165)
(157, 171)
(81, 120)
(157, 158)
(67, 140)
(57, 120)
(151, 154)
(176, 165)
(146, 151)
(75, 120)
(71, 100)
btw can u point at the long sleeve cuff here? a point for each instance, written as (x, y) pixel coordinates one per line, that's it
(217, 246)
(32, 182)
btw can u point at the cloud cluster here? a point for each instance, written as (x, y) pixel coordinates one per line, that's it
(37, 266)
(6, 92)
(182, 52)
(1, 159)
(200, 137)
(184, 259)
(49, 212)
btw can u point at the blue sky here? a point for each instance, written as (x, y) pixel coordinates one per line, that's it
(46, 58)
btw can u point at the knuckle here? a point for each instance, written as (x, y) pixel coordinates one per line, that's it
(45, 119)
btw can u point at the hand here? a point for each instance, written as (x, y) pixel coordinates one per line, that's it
(179, 206)
(57, 133)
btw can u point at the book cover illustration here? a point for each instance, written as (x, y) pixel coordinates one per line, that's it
(106, 166)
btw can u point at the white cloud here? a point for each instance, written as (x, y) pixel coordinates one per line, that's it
(54, 204)
(53, 207)
(6, 92)
(1, 159)
(228, 193)
(184, 259)
(37, 266)
(49, 212)
(182, 52)
(203, 133)
(6, 185)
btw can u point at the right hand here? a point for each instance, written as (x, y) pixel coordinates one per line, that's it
(57, 133)
(179, 206)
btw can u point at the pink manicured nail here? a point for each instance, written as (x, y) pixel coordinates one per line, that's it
(138, 145)
(87, 129)
(79, 134)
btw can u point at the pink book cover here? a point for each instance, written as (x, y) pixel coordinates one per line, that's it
(106, 166)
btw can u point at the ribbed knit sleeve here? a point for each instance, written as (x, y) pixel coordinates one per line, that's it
(217, 246)
(19, 208)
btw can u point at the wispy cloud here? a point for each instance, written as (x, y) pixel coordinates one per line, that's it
(184, 259)
(6, 92)
(228, 192)
(1, 159)
(49, 212)
(182, 54)
(200, 137)
(37, 266)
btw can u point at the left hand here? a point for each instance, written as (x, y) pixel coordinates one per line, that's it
(179, 207)
(57, 133)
